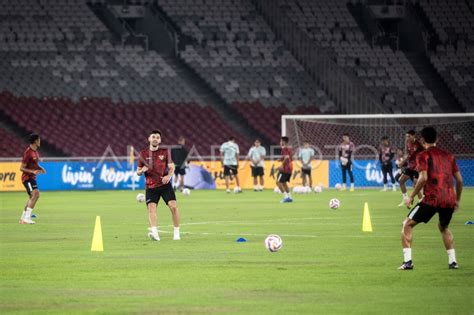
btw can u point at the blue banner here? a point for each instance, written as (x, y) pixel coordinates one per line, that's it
(119, 175)
(88, 176)
(367, 173)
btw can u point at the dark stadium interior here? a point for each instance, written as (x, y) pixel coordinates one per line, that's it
(86, 74)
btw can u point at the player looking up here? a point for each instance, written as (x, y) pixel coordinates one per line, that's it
(155, 163)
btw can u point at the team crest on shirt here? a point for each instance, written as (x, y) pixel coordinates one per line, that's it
(161, 157)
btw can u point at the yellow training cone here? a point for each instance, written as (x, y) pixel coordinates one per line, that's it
(97, 244)
(366, 223)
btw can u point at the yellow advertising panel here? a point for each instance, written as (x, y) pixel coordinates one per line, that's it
(319, 174)
(10, 177)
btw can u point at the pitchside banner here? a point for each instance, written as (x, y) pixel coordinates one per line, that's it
(210, 175)
(367, 173)
(200, 175)
(10, 177)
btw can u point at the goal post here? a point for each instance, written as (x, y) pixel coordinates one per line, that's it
(324, 133)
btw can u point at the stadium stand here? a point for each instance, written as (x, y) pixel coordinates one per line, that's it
(78, 129)
(54, 48)
(235, 52)
(453, 26)
(58, 59)
(11, 145)
(387, 73)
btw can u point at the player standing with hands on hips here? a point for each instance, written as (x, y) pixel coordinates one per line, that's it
(158, 168)
(436, 170)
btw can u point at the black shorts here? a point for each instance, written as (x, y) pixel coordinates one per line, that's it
(153, 195)
(306, 171)
(423, 213)
(30, 185)
(179, 171)
(283, 177)
(230, 169)
(257, 171)
(410, 173)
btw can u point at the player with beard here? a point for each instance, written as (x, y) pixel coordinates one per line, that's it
(158, 168)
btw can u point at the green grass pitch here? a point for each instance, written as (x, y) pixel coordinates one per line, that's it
(327, 264)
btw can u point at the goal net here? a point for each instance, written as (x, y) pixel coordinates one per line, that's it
(324, 133)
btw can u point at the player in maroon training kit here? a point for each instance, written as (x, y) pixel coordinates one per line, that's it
(30, 168)
(156, 164)
(436, 169)
(413, 147)
(284, 171)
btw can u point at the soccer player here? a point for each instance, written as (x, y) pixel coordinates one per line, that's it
(284, 171)
(230, 158)
(179, 155)
(436, 169)
(30, 168)
(413, 147)
(346, 148)
(386, 155)
(155, 163)
(306, 155)
(257, 157)
(400, 163)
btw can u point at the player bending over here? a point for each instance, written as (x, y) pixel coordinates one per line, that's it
(155, 163)
(436, 169)
(386, 155)
(413, 147)
(30, 168)
(257, 162)
(306, 155)
(284, 171)
(346, 148)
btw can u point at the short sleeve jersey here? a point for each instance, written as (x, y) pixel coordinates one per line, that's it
(30, 159)
(287, 165)
(157, 163)
(256, 153)
(386, 153)
(305, 155)
(346, 150)
(230, 150)
(413, 148)
(440, 166)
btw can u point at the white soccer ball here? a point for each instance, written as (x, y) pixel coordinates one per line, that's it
(338, 186)
(277, 190)
(334, 203)
(237, 189)
(273, 243)
(186, 191)
(140, 197)
(318, 189)
(307, 189)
